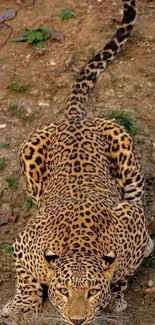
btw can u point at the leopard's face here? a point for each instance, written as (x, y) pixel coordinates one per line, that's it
(79, 286)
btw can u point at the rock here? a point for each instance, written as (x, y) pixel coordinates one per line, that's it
(5, 215)
(43, 103)
(2, 126)
(150, 283)
(52, 63)
(34, 92)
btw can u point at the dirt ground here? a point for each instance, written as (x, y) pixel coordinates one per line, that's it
(127, 85)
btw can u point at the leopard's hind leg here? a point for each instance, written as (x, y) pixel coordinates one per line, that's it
(123, 162)
(34, 160)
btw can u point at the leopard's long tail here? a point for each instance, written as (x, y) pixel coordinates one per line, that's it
(87, 78)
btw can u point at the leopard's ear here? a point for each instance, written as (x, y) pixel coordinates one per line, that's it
(111, 262)
(50, 256)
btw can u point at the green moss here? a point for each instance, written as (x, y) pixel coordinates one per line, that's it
(13, 109)
(28, 204)
(12, 182)
(75, 75)
(125, 119)
(7, 248)
(16, 87)
(67, 14)
(3, 163)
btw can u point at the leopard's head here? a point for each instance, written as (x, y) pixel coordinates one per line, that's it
(79, 284)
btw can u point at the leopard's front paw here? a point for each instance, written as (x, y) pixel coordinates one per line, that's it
(16, 311)
(117, 303)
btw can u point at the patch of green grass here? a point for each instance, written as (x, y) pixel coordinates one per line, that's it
(7, 248)
(114, 78)
(125, 119)
(16, 87)
(13, 108)
(75, 75)
(3, 163)
(5, 145)
(28, 204)
(67, 14)
(35, 36)
(12, 182)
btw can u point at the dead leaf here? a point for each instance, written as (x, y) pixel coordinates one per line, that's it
(7, 14)
(150, 290)
(19, 2)
(13, 218)
(5, 216)
(58, 35)
(69, 61)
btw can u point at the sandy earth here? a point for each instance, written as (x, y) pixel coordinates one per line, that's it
(127, 85)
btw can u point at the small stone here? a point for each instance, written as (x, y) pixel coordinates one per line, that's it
(29, 111)
(150, 283)
(52, 63)
(5, 216)
(2, 126)
(90, 8)
(119, 85)
(34, 92)
(48, 96)
(28, 57)
(43, 103)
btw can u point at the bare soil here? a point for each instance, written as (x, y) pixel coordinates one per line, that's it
(127, 85)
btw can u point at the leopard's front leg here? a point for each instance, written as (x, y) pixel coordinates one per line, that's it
(28, 299)
(118, 303)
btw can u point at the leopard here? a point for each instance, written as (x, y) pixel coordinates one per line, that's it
(89, 234)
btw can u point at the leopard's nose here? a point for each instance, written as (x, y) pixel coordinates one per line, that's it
(77, 321)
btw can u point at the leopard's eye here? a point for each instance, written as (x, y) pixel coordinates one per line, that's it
(63, 291)
(93, 292)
